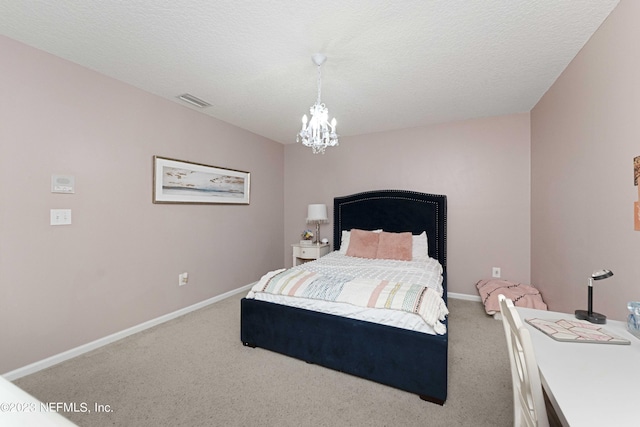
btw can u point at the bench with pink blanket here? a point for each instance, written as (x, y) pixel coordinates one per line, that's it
(522, 295)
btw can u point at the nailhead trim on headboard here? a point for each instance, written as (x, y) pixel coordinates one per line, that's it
(439, 211)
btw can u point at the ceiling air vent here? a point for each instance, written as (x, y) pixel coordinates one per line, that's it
(194, 100)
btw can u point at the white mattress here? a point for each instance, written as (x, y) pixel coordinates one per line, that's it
(427, 271)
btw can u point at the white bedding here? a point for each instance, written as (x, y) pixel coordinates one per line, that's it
(425, 271)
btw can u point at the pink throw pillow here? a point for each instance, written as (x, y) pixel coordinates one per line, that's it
(396, 246)
(363, 244)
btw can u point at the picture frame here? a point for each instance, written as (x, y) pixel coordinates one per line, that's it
(184, 182)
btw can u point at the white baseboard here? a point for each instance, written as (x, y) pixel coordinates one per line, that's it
(464, 296)
(77, 351)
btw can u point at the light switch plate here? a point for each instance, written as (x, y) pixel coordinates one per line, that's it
(60, 216)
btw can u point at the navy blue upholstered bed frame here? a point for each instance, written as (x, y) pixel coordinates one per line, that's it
(407, 360)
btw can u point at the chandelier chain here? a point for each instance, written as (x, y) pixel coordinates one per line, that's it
(319, 84)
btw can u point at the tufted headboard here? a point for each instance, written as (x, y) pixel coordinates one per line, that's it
(395, 211)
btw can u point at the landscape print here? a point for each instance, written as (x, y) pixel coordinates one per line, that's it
(182, 181)
(177, 181)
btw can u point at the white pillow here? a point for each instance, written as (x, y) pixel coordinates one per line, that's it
(344, 241)
(420, 246)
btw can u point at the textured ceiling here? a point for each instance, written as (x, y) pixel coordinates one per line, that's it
(391, 64)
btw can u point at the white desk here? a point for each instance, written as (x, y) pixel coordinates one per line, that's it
(588, 384)
(18, 408)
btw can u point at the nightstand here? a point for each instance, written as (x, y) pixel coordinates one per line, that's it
(304, 253)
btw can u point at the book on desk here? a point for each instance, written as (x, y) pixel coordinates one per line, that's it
(576, 331)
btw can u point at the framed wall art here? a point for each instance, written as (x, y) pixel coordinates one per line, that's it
(179, 181)
(636, 205)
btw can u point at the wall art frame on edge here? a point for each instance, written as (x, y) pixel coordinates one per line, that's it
(179, 181)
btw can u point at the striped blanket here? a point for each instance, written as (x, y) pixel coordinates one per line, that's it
(371, 293)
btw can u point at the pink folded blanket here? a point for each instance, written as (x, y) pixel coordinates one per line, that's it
(521, 295)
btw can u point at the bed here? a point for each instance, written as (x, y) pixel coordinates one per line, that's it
(412, 361)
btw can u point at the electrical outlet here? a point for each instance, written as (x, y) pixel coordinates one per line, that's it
(495, 272)
(183, 279)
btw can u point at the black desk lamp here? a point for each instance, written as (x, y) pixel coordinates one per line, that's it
(589, 314)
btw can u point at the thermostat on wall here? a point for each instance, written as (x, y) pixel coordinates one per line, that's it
(63, 184)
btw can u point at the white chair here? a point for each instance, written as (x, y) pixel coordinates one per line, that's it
(528, 400)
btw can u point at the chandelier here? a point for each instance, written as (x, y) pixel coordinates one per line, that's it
(318, 133)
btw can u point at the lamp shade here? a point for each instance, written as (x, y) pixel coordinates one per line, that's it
(317, 212)
(601, 274)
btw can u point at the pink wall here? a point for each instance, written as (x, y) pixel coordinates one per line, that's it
(481, 165)
(117, 265)
(546, 196)
(583, 140)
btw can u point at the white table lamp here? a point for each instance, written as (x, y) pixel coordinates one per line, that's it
(317, 213)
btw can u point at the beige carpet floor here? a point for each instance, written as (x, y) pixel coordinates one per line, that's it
(194, 371)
